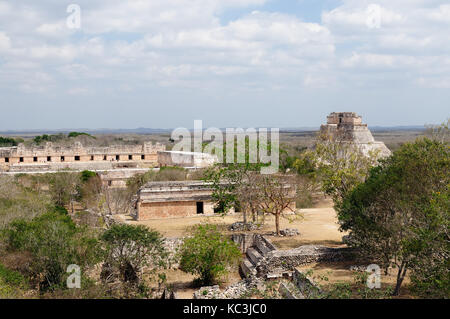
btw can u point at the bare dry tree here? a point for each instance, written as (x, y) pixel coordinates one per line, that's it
(275, 195)
(440, 132)
(249, 197)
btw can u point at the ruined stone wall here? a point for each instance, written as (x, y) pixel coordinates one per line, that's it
(289, 259)
(118, 178)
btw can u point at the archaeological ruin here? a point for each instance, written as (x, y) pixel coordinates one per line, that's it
(174, 199)
(78, 157)
(348, 127)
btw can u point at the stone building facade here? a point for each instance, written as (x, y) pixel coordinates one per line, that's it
(49, 157)
(348, 127)
(174, 199)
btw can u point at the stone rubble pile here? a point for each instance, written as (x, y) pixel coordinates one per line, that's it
(360, 268)
(288, 232)
(235, 291)
(241, 226)
(171, 245)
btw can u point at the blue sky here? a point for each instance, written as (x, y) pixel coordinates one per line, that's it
(233, 63)
(306, 10)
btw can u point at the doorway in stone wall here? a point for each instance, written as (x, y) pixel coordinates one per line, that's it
(200, 208)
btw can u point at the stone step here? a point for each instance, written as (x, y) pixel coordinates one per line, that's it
(279, 273)
(254, 256)
(289, 291)
(248, 268)
(274, 275)
(261, 246)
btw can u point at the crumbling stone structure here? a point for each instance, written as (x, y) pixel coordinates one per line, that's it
(174, 199)
(49, 157)
(264, 260)
(178, 199)
(348, 127)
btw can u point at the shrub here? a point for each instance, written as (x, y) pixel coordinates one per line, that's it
(11, 277)
(18, 201)
(87, 175)
(128, 249)
(208, 254)
(64, 187)
(54, 242)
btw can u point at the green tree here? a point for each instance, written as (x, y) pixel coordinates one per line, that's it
(208, 254)
(129, 249)
(49, 138)
(86, 175)
(399, 216)
(54, 242)
(7, 141)
(76, 134)
(226, 181)
(431, 273)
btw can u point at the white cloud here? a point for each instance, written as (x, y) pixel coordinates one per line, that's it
(5, 42)
(442, 14)
(57, 29)
(184, 43)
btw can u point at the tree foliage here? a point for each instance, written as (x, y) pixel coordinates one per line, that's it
(7, 141)
(76, 134)
(226, 181)
(399, 216)
(208, 254)
(129, 249)
(54, 242)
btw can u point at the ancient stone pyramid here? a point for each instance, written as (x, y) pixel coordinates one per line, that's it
(348, 127)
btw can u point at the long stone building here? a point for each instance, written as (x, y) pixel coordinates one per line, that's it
(49, 157)
(174, 199)
(348, 127)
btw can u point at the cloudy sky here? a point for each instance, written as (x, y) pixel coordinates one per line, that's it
(230, 63)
